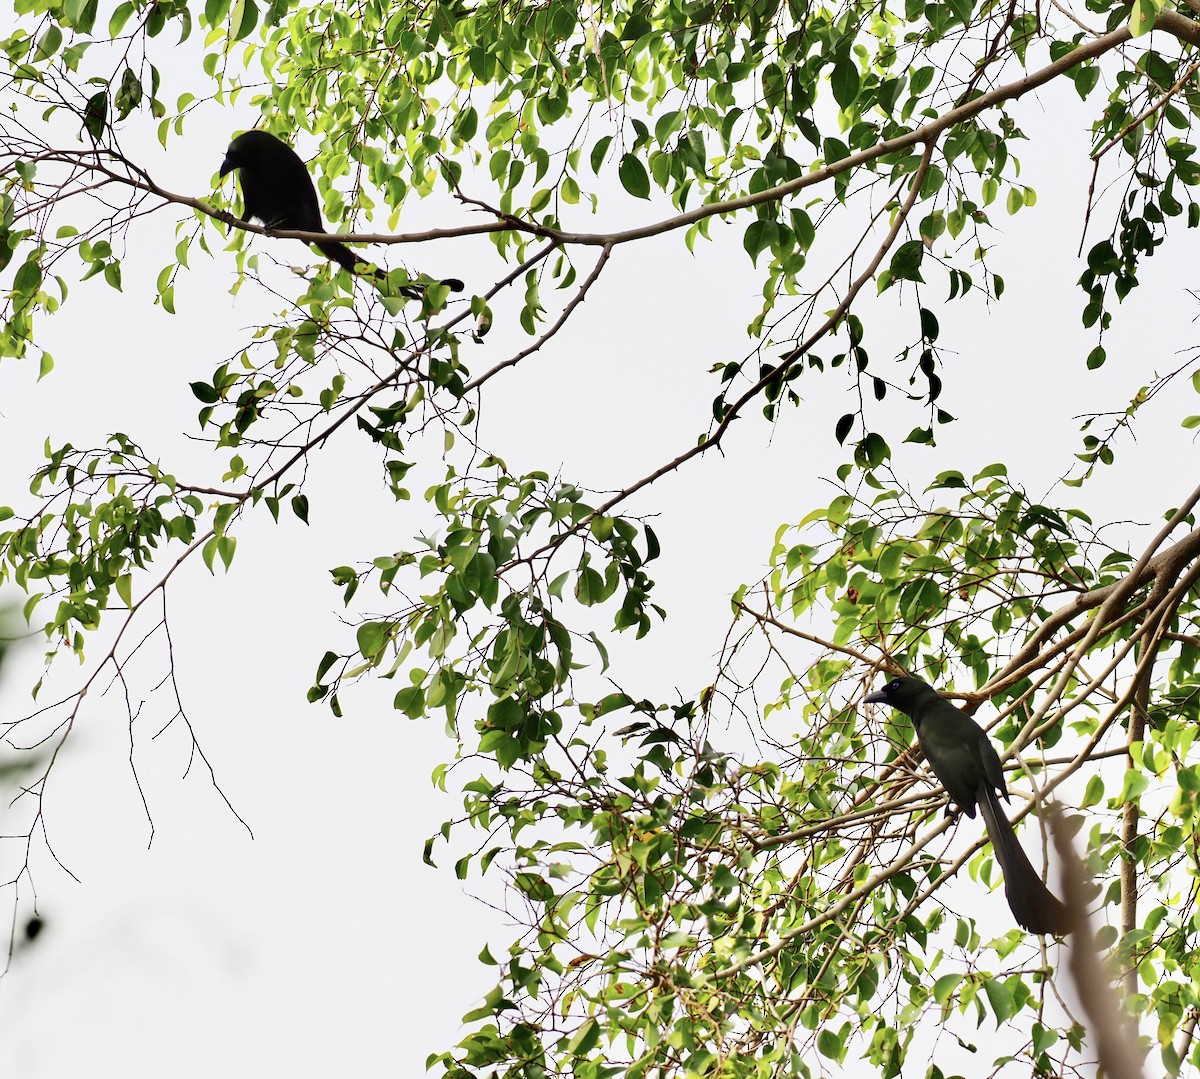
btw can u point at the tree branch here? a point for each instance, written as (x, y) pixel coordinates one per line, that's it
(1170, 22)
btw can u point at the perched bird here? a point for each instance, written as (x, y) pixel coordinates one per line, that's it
(965, 761)
(278, 191)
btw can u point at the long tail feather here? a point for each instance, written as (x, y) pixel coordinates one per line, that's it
(343, 256)
(1033, 904)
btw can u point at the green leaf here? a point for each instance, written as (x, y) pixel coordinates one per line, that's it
(872, 451)
(829, 1044)
(634, 177)
(81, 14)
(119, 18)
(1142, 16)
(28, 278)
(835, 150)
(906, 262)
(636, 26)
(760, 235)
(920, 80)
(48, 44)
(410, 701)
(589, 587)
(226, 545)
(944, 987)
(372, 638)
(1086, 79)
(599, 151)
(209, 552)
(929, 325)
(845, 82)
(585, 1039)
(128, 95)
(1000, 999)
(1094, 792)
(215, 11)
(205, 393)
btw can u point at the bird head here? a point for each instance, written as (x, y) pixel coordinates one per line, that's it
(901, 693)
(232, 160)
(247, 148)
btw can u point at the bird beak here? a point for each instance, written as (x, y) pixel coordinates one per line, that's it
(878, 697)
(227, 167)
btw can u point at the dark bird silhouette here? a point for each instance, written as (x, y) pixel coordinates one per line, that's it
(278, 191)
(965, 761)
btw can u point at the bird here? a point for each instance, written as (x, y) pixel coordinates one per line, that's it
(278, 191)
(968, 766)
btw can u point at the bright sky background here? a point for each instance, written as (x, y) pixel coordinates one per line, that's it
(324, 946)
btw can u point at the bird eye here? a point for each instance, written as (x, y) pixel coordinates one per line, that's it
(894, 683)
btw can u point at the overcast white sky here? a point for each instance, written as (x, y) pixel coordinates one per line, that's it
(324, 945)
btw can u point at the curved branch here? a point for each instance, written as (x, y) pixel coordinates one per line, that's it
(576, 300)
(1161, 569)
(791, 358)
(1171, 22)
